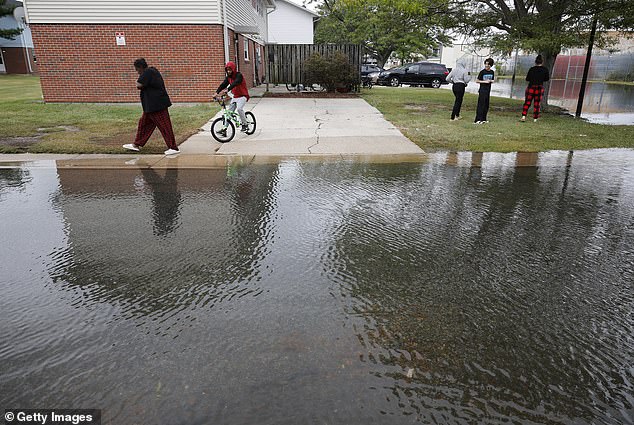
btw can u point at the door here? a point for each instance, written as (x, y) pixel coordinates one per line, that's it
(2, 67)
(426, 74)
(411, 74)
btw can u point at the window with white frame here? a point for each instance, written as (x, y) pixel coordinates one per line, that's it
(246, 49)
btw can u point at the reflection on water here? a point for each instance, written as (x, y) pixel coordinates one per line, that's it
(471, 288)
(602, 103)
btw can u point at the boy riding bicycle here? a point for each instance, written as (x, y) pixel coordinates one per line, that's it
(236, 84)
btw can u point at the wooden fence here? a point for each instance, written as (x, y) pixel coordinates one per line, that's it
(285, 64)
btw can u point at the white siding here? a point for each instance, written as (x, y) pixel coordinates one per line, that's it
(123, 11)
(290, 25)
(242, 13)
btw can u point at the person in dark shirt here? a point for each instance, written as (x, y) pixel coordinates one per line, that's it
(486, 77)
(155, 101)
(535, 90)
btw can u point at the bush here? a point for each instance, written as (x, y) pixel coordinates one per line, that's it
(330, 71)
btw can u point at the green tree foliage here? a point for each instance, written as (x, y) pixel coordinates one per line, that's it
(8, 10)
(542, 26)
(384, 27)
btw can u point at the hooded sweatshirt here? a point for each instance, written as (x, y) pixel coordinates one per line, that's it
(234, 83)
(459, 74)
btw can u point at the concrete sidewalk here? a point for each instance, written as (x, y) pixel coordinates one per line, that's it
(308, 126)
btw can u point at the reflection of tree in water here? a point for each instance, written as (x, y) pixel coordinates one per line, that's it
(493, 301)
(211, 256)
(14, 178)
(165, 199)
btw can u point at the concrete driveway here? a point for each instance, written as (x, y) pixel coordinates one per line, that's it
(309, 126)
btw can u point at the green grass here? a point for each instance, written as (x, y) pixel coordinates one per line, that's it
(79, 128)
(423, 116)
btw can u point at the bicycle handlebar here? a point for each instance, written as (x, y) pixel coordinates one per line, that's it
(220, 99)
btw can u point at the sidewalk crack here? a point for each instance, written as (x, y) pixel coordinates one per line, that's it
(319, 123)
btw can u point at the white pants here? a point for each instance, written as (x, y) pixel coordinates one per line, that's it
(239, 102)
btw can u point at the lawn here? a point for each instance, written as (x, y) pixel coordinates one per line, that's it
(27, 124)
(423, 115)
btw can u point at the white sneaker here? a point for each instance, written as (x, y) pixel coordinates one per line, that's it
(131, 147)
(171, 152)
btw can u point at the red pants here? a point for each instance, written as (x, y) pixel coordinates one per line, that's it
(534, 94)
(149, 121)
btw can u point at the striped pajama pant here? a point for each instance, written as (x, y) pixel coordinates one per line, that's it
(149, 121)
(533, 94)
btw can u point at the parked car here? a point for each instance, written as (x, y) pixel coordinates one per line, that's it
(415, 74)
(367, 69)
(369, 74)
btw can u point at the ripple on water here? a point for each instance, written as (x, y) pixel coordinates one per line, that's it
(440, 292)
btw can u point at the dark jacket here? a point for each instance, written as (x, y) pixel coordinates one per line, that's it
(537, 75)
(154, 96)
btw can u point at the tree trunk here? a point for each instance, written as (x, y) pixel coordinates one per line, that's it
(549, 63)
(382, 57)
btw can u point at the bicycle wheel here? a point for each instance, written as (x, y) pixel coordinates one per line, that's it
(317, 87)
(223, 130)
(250, 122)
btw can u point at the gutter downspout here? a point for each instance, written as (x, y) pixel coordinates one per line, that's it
(24, 25)
(268, 12)
(226, 29)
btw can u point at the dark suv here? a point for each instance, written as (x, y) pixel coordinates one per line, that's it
(415, 74)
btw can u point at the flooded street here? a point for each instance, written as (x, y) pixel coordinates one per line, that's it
(465, 288)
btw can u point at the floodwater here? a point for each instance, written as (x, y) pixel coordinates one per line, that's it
(465, 288)
(603, 103)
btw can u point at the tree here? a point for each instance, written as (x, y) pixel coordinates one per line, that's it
(383, 27)
(541, 26)
(8, 10)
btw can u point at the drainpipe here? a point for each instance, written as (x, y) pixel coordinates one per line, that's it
(226, 29)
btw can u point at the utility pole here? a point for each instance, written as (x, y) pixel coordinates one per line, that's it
(586, 68)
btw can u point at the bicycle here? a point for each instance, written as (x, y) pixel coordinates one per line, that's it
(304, 87)
(223, 129)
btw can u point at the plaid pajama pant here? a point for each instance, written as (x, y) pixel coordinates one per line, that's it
(534, 94)
(149, 121)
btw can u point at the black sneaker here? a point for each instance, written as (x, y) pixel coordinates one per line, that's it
(222, 132)
(244, 129)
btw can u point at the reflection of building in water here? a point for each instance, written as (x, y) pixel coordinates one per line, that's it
(526, 159)
(139, 234)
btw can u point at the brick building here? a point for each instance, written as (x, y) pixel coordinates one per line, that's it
(85, 48)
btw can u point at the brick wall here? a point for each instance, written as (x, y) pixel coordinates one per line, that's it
(82, 63)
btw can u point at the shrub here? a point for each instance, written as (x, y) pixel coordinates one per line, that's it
(330, 71)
